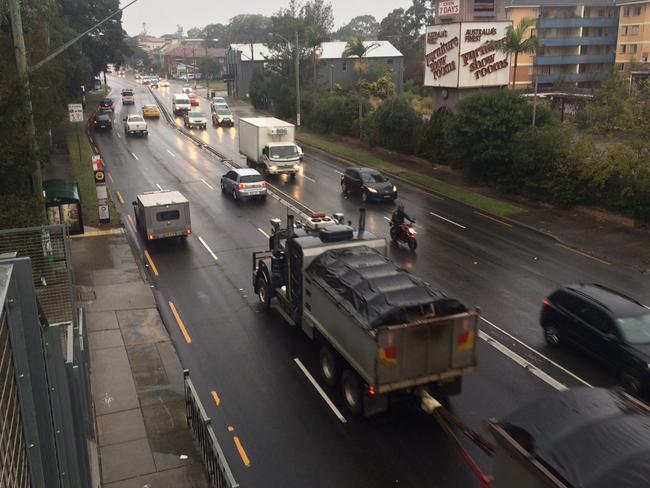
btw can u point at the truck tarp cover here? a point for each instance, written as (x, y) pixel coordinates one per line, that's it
(371, 286)
(591, 437)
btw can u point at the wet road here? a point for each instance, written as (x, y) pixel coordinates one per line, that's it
(247, 357)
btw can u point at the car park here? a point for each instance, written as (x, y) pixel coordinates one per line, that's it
(611, 327)
(222, 117)
(369, 183)
(243, 184)
(106, 105)
(102, 121)
(195, 119)
(135, 124)
(150, 110)
(195, 101)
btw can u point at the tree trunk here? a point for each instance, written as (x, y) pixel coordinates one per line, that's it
(514, 74)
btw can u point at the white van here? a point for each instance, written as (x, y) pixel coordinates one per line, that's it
(180, 103)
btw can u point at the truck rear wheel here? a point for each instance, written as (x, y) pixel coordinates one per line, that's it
(352, 394)
(329, 365)
(263, 291)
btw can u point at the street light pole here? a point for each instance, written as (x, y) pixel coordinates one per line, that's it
(297, 83)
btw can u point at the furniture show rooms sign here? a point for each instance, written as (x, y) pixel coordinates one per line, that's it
(463, 55)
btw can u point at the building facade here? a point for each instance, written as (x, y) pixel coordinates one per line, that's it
(577, 42)
(633, 40)
(332, 68)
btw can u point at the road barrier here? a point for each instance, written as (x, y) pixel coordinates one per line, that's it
(200, 424)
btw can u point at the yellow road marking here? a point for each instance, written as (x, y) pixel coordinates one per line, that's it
(179, 321)
(216, 398)
(151, 263)
(242, 453)
(130, 221)
(120, 197)
(231, 428)
(110, 177)
(492, 218)
(583, 254)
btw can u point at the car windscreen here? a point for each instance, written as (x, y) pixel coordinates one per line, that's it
(282, 152)
(635, 330)
(136, 118)
(224, 112)
(103, 118)
(196, 115)
(127, 93)
(168, 215)
(368, 177)
(106, 101)
(250, 178)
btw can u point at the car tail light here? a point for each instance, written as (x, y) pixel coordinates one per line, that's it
(264, 184)
(371, 390)
(241, 186)
(188, 232)
(151, 237)
(546, 303)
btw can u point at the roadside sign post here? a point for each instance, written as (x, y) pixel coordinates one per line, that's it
(99, 173)
(76, 113)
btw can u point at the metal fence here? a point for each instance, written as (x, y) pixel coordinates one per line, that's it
(200, 425)
(49, 251)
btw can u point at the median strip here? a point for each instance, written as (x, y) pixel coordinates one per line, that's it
(180, 323)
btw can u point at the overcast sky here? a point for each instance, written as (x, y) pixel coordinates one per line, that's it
(162, 16)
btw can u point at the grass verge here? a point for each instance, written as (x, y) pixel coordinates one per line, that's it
(367, 158)
(80, 155)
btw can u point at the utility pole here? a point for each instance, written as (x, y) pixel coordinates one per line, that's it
(535, 104)
(297, 83)
(21, 67)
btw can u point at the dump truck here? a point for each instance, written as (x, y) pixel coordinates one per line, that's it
(162, 214)
(268, 143)
(383, 333)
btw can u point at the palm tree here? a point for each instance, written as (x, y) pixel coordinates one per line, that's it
(356, 47)
(515, 42)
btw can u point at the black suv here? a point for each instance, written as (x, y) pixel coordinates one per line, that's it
(605, 324)
(370, 183)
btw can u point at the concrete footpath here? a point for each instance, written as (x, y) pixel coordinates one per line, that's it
(137, 378)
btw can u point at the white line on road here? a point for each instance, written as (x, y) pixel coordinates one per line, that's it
(208, 248)
(263, 233)
(387, 218)
(172, 154)
(337, 171)
(308, 178)
(134, 156)
(207, 184)
(549, 360)
(450, 221)
(522, 362)
(320, 390)
(118, 135)
(159, 187)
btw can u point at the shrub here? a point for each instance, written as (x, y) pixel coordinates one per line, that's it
(334, 113)
(433, 143)
(392, 126)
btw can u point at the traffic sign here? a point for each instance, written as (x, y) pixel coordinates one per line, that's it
(100, 177)
(76, 112)
(104, 215)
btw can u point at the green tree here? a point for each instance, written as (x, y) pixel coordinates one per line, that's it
(248, 28)
(357, 48)
(517, 41)
(363, 26)
(394, 125)
(195, 33)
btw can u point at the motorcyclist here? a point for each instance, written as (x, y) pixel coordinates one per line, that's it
(399, 217)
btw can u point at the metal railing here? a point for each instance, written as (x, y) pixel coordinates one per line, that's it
(200, 424)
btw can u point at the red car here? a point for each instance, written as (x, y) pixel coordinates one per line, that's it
(102, 122)
(194, 100)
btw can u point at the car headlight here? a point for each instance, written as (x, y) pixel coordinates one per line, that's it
(274, 167)
(296, 166)
(394, 188)
(371, 190)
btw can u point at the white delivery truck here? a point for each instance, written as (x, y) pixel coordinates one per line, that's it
(269, 143)
(162, 214)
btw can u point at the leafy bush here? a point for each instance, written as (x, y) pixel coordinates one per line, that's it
(433, 141)
(394, 125)
(336, 114)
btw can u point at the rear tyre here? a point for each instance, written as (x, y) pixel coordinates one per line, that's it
(352, 394)
(329, 367)
(631, 382)
(552, 335)
(223, 188)
(263, 292)
(413, 244)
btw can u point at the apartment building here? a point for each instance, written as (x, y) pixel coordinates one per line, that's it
(633, 41)
(577, 41)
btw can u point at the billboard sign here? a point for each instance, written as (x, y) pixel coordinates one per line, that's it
(448, 7)
(459, 55)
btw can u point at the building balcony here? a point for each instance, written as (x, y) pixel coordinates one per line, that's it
(579, 59)
(578, 41)
(571, 77)
(568, 22)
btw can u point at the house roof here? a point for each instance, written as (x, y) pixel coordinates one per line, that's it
(328, 50)
(194, 52)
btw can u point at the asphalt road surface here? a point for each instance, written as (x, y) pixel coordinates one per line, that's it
(246, 362)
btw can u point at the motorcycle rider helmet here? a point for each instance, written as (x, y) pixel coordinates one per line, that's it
(400, 206)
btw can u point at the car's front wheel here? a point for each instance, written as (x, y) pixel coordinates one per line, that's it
(344, 187)
(552, 335)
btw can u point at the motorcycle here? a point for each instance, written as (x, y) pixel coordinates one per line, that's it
(404, 233)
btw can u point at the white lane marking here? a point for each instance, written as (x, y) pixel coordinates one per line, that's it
(208, 248)
(118, 135)
(450, 221)
(263, 233)
(134, 156)
(320, 390)
(207, 184)
(387, 218)
(172, 154)
(522, 362)
(308, 178)
(337, 171)
(549, 360)
(159, 187)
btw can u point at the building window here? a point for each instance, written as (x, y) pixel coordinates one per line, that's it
(623, 48)
(389, 61)
(626, 12)
(601, 12)
(635, 30)
(624, 30)
(344, 65)
(636, 11)
(633, 48)
(644, 57)
(620, 66)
